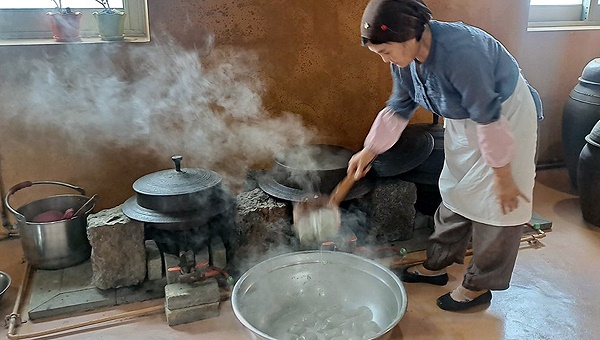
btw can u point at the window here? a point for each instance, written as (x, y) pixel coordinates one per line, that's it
(582, 13)
(26, 19)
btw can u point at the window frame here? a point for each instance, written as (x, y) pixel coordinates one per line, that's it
(584, 16)
(32, 23)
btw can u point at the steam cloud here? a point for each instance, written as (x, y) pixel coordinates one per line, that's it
(159, 97)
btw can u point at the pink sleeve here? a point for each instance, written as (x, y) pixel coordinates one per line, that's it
(496, 143)
(385, 131)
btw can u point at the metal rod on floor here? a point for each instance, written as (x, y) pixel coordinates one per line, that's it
(3, 212)
(420, 257)
(14, 318)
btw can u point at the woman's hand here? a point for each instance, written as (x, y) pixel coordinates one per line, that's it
(360, 163)
(506, 189)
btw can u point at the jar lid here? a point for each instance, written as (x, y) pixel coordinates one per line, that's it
(178, 181)
(594, 136)
(591, 72)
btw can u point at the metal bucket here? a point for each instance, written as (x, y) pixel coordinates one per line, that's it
(52, 245)
(318, 292)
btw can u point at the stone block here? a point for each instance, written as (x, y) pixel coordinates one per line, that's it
(218, 253)
(170, 262)
(185, 315)
(201, 256)
(183, 295)
(118, 250)
(154, 262)
(262, 224)
(392, 202)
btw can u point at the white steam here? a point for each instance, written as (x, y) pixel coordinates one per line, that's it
(159, 97)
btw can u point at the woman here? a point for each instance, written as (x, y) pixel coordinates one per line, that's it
(466, 76)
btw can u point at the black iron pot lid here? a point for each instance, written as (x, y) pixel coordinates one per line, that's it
(136, 212)
(412, 148)
(420, 177)
(177, 181)
(269, 185)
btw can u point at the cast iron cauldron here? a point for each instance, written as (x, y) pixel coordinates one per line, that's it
(177, 190)
(316, 168)
(305, 170)
(272, 294)
(178, 199)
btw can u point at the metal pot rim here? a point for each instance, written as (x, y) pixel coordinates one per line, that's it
(325, 257)
(137, 212)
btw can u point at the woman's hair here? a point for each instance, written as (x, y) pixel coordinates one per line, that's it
(394, 21)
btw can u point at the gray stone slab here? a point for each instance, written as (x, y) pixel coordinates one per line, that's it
(73, 301)
(147, 290)
(75, 277)
(45, 284)
(66, 291)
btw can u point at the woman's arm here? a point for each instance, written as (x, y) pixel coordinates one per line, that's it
(385, 132)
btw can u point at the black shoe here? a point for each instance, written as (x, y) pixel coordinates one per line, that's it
(438, 280)
(446, 302)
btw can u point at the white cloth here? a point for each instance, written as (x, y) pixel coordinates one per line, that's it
(466, 182)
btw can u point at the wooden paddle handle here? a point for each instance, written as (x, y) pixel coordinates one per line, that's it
(341, 190)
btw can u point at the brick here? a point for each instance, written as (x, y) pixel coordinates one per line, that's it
(154, 262)
(190, 314)
(183, 295)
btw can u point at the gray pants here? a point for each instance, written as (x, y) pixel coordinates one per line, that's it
(494, 249)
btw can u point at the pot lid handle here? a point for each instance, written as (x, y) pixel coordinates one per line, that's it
(177, 161)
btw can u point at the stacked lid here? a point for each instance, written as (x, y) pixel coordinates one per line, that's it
(177, 195)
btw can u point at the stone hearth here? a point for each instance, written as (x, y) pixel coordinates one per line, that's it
(384, 218)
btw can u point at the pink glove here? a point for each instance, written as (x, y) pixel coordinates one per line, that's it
(496, 143)
(385, 131)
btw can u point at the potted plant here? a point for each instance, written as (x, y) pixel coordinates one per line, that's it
(110, 22)
(64, 23)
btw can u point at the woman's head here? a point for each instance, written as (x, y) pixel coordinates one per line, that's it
(387, 21)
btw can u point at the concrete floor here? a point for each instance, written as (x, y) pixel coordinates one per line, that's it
(553, 294)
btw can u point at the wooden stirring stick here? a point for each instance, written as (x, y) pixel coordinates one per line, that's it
(341, 190)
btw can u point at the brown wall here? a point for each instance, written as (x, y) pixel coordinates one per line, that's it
(307, 57)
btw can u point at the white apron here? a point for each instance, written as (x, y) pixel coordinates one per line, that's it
(466, 182)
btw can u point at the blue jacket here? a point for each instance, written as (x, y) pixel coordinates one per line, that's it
(468, 74)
